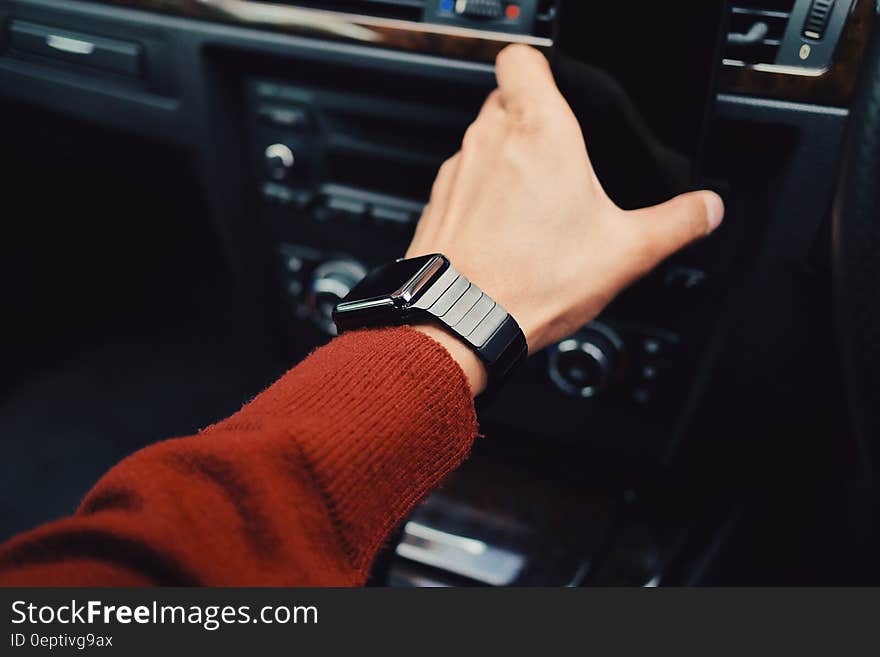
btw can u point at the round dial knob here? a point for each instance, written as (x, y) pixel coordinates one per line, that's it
(279, 161)
(331, 283)
(585, 364)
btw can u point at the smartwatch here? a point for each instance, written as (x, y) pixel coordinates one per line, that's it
(429, 288)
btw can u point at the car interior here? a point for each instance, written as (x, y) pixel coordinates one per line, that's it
(191, 186)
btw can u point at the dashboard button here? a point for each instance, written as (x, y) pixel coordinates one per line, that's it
(340, 207)
(294, 288)
(641, 396)
(649, 373)
(296, 118)
(275, 193)
(278, 194)
(88, 50)
(293, 264)
(652, 346)
(661, 345)
(392, 217)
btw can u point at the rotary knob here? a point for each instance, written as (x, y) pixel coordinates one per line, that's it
(585, 364)
(331, 283)
(279, 161)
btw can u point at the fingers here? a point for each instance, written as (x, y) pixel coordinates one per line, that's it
(524, 79)
(671, 226)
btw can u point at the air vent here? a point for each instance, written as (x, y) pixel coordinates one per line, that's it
(756, 31)
(817, 19)
(404, 9)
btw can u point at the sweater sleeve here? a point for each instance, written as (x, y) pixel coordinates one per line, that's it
(301, 487)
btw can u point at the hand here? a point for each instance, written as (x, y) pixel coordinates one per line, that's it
(521, 213)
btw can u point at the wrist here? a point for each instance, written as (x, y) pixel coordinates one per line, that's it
(427, 291)
(473, 368)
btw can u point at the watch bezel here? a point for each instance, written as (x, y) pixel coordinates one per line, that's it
(405, 295)
(412, 289)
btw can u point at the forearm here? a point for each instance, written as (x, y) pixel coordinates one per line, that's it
(301, 487)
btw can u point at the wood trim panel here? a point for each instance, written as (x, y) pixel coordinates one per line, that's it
(835, 86)
(408, 36)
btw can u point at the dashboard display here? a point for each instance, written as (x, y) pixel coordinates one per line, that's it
(640, 78)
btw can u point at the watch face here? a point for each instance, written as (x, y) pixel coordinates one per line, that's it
(389, 281)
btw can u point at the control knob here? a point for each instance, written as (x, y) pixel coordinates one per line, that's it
(331, 283)
(279, 161)
(585, 364)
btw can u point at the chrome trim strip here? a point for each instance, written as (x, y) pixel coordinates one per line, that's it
(460, 555)
(774, 68)
(70, 45)
(728, 102)
(469, 545)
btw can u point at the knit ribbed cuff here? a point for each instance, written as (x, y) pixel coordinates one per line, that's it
(381, 416)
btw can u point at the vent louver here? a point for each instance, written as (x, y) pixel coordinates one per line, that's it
(756, 31)
(817, 19)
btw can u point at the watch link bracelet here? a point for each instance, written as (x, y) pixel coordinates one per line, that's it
(429, 288)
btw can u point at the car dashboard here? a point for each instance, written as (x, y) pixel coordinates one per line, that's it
(315, 129)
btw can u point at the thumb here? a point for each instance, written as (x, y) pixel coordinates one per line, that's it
(673, 225)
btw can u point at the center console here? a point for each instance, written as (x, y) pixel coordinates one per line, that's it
(340, 177)
(341, 159)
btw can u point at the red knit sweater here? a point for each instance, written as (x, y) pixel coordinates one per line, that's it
(300, 487)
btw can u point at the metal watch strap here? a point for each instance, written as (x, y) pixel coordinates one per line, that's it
(463, 308)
